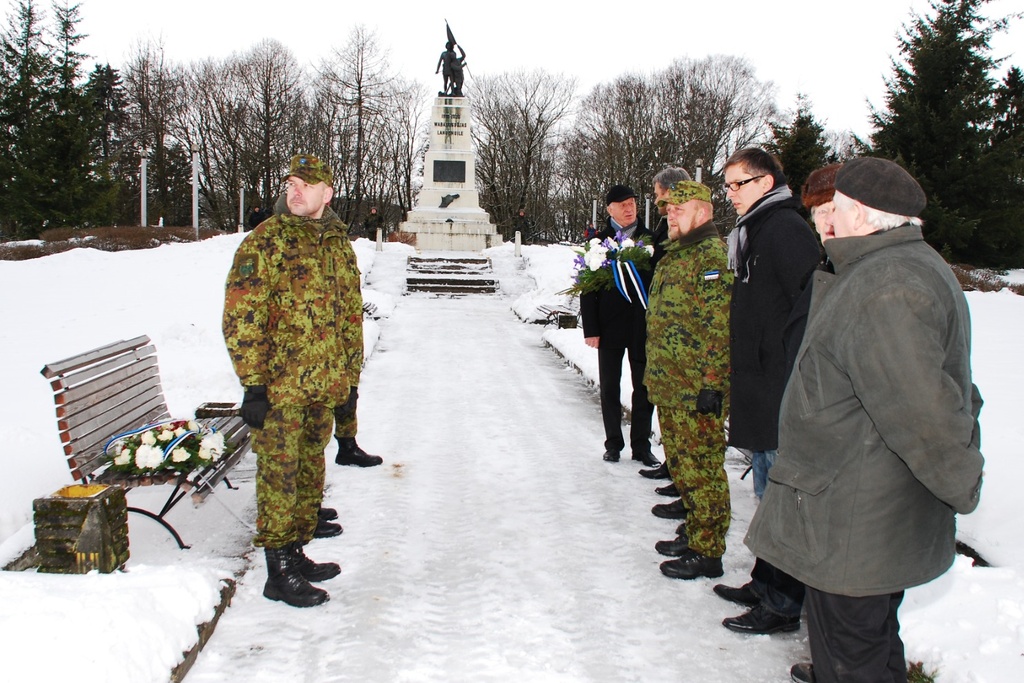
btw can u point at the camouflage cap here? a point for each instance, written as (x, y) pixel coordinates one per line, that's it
(685, 190)
(311, 169)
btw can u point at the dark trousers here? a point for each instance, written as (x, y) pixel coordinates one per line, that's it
(855, 640)
(609, 366)
(779, 592)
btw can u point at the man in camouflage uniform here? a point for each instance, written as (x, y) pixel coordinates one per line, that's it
(293, 328)
(687, 376)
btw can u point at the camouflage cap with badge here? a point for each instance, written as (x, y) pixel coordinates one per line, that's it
(310, 169)
(685, 190)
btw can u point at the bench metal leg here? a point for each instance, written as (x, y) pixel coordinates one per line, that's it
(164, 523)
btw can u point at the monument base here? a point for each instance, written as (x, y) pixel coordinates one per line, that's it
(451, 230)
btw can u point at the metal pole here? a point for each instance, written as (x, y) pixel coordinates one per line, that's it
(699, 170)
(195, 189)
(143, 209)
(647, 212)
(241, 209)
(519, 244)
(380, 239)
(593, 217)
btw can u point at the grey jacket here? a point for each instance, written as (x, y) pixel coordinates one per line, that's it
(878, 432)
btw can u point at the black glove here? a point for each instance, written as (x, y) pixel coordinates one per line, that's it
(709, 401)
(348, 407)
(255, 406)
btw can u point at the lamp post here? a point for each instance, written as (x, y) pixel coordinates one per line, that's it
(195, 189)
(143, 164)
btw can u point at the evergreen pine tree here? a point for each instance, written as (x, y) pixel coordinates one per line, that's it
(802, 146)
(938, 122)
(26, 103)
(82, 192)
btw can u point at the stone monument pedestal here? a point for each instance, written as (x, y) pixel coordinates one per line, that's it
(448, 216)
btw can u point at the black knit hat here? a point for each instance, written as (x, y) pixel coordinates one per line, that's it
(619, 193)
(881, 184)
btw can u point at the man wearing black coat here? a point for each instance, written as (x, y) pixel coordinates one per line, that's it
(615, 326)
(663, 182)
(773, 252)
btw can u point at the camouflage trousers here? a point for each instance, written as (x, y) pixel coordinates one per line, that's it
(695, 454)
(290, 472)
(346, 426)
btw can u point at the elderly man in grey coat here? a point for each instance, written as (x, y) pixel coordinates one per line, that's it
(878, 431)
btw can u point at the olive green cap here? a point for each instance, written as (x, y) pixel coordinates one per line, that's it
(684, 191)
(311, 169)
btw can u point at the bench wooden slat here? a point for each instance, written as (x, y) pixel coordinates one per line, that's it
(123, 416)
(107, 382)
(74, 362)
(85, 413)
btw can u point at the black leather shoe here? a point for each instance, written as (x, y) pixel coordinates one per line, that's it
(692, 565)
(681, 529)
(325, 529)
(647, 458)
(659, 472)
(675, 548)
(802, 673)
(760, 621)
(611, 456)
(673, 510)
(327, 514)
(668, 490)
(741, 596)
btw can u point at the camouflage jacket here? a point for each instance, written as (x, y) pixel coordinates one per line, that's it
(688, 320)
(293, 312)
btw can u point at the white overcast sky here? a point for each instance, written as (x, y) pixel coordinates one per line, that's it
(836, 53)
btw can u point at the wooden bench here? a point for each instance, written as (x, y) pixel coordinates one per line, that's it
(560, 315)
(107, 391)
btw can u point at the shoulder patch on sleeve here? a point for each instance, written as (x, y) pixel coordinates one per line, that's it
(712, 275)
(247, 265)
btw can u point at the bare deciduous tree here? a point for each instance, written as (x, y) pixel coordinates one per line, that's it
(518, 118)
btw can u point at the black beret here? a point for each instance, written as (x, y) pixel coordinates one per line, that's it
(619, 193)
(881, 184)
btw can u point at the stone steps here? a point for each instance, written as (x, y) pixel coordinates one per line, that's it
(455, 275)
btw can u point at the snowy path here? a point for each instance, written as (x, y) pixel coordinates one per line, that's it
(494, 544)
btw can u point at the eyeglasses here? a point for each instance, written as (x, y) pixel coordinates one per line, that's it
(740, 183)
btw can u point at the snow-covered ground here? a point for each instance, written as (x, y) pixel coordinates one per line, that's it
(494, 544)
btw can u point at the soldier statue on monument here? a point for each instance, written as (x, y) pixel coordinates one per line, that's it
(450, 66)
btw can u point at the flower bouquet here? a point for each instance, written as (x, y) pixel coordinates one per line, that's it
(171, 445)
(611, 264)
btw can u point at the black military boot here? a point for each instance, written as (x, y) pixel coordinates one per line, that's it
(668, 490)
(659, 472)
(327, 514)
(673, 510)
(692, 565)
(325, 529)
(674, 548)
(349, 453)
(310, 570)
(285, 583)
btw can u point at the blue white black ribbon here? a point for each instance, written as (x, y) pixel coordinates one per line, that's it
(625, 274)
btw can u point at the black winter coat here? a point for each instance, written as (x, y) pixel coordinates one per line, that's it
(606, 314)
(783, 252)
